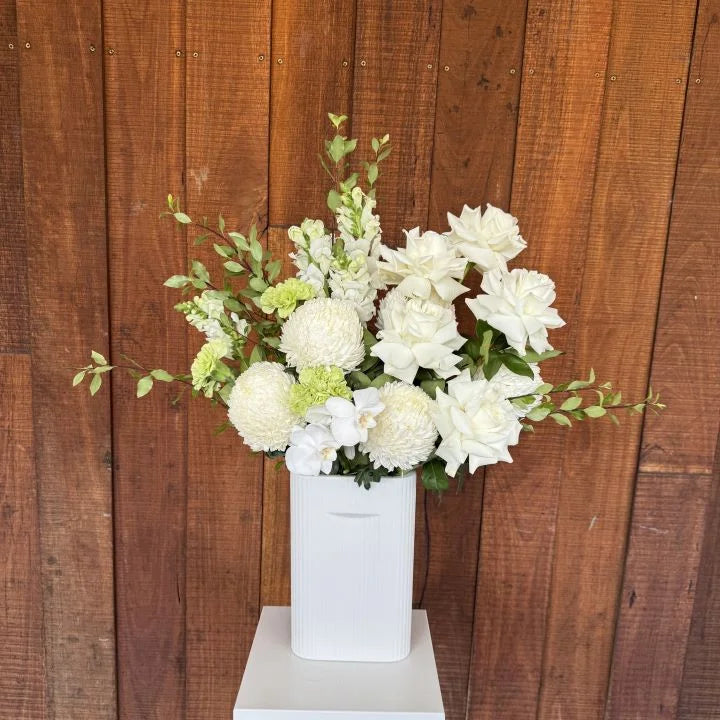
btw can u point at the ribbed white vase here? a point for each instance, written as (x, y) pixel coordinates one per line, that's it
(352, 567)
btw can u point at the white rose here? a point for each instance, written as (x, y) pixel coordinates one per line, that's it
(517, 303)
(474, 423)
(488, 240)
(427, 265)
(416, 333)
(509, 385)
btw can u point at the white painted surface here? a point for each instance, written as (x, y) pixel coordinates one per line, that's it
(351, 567)
(278, 685)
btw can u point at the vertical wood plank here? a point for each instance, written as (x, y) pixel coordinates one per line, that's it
(64, 192)
(312, 73)
(642, 113)
(145, 121)
(396, 51)
(474, 141)
(224, 478)
(558, 131)
(700, 690)
(22, 681)
(14, 311)
(675, 471)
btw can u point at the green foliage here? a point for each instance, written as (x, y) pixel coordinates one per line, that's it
(434, 476)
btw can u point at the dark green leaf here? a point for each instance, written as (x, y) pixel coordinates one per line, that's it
(434, 476)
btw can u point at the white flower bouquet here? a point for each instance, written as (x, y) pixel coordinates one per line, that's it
(355, 366)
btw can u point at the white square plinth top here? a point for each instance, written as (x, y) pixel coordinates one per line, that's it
(278, 685)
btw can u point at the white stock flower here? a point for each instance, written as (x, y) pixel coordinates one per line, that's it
(508, 384)
(313, 252)
(351, 280)
(404, 435)
(416, 333)
(489, 240)
(323, 331)
(259, 407)
(312, 450)
(426, 265)
(517, 303)
(474, 422)
(204, 315)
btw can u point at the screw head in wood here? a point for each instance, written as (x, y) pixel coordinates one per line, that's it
(597, 74)
(178, 53)
(512, 71)
(279, 61)
(11, 46)
(678, 81)
(92, 48)
(446, 68)
(345, 63)
(697, 81)
(261, 58)
(429, 66)
(111, 51)
(531, 71)
(196, 54)
(27, 45)
(363, 63)
(613, 78)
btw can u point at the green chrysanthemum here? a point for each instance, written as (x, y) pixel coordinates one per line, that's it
(316, 385)
(285, 296)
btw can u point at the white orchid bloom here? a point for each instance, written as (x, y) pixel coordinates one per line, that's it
(312, 450)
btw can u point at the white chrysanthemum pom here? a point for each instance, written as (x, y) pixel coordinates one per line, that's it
(405, 433)
(508, 385)
(416, 333)
(489, 240)
(517, 303)
(475, 423)
(426, 265)
(323, 331)
(259, 407)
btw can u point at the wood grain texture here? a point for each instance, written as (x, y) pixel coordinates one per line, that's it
(312, 74)
(558, 135)
(396, 51)
(14, 310)
(275, 569)
(641, 119)
(22, 680)
(674, 484)
(472, 164)
(62, 147)
(700, 689)
(145, 123)
(224, 479)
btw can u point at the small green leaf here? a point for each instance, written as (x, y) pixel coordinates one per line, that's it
(256, 250)
(487, 338)
(95, 384)
(491, 367)
(572, 403)
(360, 379)
(561, 419)
(144, 386)
(375, 145)
(532, 357)
(273, 269)
(233, 267)
(614, 419)
(539, 413)
(221, 223)
(256, 355)
(434, 476)
(258, 284)
(336, 148)
(162, 375)
(595, 411)
(223, 250)
(380, 380)
(102, 369)
(350, 146)
(516, 364)
(432, 386)
(577, 385)
(543, 389)
(98, 358)
(177, 281)
(200, 271)
(334, 200)
(78, 378)
(337, 120)
(181, 217)
(239, 240)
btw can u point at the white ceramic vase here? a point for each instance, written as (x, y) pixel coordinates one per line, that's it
(351, 567)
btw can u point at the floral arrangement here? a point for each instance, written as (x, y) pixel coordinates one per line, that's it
(355, 366)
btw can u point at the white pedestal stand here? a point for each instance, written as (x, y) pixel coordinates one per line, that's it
(279, 685)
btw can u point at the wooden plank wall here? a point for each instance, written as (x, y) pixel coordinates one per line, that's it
(136, 549)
